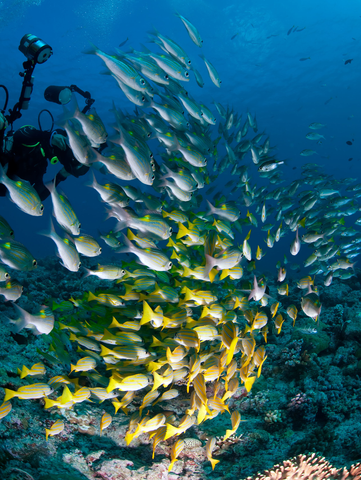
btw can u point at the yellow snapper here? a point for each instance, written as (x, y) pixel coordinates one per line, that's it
(37, 369)
(55, 429)
(36, 390)
(5, 409)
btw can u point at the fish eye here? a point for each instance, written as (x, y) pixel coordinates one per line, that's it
(35, 263)
(186, 74)
(100, 250)
(143, 99)
(151, 155)
(79, 225)
(41, 208)
(205, 161)
(123, 272)
(191, 194)
(7, 275)
(170, 264)
(142, 82)
(189, 62)
(220, 81)
(170, 230)
(202, 114)
(153, 177)
(11, 233)
(196, 185)
(166, 77)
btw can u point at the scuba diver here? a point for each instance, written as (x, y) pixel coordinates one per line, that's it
(27, 152)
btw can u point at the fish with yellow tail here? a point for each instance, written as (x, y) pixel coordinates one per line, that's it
(105, 421)
(236, 420)
(55, 429)
(36, 370)
(177, 448)
(209, 449)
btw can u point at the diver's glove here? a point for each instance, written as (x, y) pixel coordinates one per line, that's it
(3, 122)
(58, 141)
(61, 176)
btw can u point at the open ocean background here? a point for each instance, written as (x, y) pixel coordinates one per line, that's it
(260, 69)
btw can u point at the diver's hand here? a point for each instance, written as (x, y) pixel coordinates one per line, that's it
(3, 122)
(58, 141)
(61, 176)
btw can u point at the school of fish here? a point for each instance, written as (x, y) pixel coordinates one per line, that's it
(188, 308)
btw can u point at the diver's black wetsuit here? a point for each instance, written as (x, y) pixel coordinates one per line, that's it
(29, 158)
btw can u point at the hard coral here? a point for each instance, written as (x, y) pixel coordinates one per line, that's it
(310, 467)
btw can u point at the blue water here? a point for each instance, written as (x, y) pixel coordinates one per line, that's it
(259, 74)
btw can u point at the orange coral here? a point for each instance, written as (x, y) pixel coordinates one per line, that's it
(309, 467)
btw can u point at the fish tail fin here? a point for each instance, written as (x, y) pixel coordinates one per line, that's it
(130, 235)
(231, 350)
(3, 171)
(214, 462)
(224, 273)
(182, 232)
(49, 403)
(24, 372)
(188, 294)
(93, 50)
(93, 183)
(171, 464)
(128, 246)
(186, 272)
(210, 263)
(228, 434)
(91, 297)
(105, 351)
(9, 394)
(86, 274)
(211, 208)
(174, 256)
(171, 431)
(51, 232)
(20, 322)
(147, 313)
(128, 438)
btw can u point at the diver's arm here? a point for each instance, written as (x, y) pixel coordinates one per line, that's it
(76, 172)
(41, 189)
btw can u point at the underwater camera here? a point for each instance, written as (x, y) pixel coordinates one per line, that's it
(34, 48)
(36, 51)
(63, 95)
